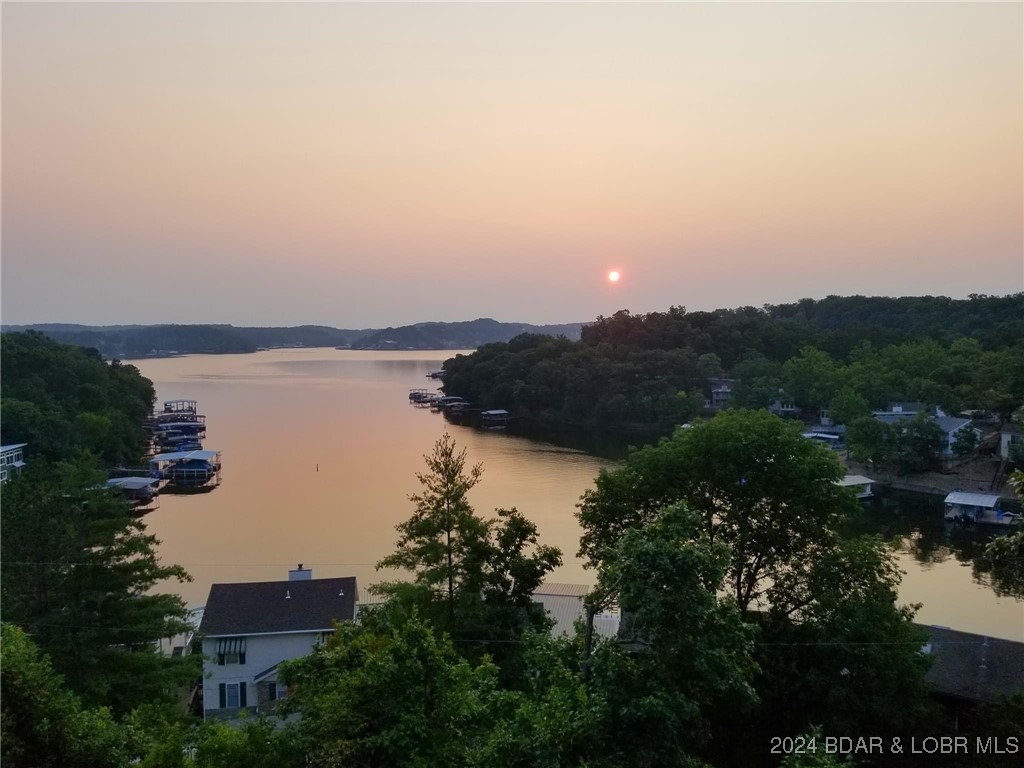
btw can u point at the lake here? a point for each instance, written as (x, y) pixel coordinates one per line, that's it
(321, 449)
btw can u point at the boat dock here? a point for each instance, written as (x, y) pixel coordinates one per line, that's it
(142, 493)
(970, 508)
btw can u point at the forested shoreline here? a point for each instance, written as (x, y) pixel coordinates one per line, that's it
(655, 371)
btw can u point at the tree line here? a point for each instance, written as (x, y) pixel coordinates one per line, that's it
(654, 371)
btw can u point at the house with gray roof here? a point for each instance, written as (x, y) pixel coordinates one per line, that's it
(950, 425)
(248, 629)
(973, 668)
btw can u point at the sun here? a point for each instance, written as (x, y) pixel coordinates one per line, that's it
(613, 276)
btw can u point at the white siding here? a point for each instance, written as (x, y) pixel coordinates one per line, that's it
(261, 653)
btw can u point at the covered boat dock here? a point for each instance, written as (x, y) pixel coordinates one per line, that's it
(967, 507)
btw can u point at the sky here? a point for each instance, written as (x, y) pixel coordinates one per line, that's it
(367, 165)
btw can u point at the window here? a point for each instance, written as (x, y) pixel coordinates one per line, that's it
(276, 691)
(233, 695)
(230, 650)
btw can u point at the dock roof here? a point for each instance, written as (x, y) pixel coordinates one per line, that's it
(11, 447)
(854, 480)
(270, 607)
(973, 499)
(132, 483)
(184, 455)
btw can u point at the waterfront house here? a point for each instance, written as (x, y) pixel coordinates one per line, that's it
(972, 669)
(951, 426)
(721, 394)
(783, 408)
(248, 629)
(12, 459)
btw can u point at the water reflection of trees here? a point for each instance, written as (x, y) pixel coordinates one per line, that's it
(915, 525)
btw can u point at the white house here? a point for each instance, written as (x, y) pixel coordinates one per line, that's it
(11, 460)
(250, 628)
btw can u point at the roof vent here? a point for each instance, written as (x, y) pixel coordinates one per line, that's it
(287, 594)
(300, 574)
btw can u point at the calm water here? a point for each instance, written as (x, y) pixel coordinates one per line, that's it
(277, 415)
(321, 450)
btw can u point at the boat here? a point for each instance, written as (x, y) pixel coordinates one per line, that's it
(435, 375)
(187, 469)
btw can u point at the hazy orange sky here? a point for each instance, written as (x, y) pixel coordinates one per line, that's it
(366, 165)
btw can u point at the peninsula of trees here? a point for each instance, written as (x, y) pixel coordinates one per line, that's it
(652, 372)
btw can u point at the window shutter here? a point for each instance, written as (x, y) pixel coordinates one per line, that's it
(241, 694)
(223, 696)
(241, 658)
(220, 659)
(272, 691)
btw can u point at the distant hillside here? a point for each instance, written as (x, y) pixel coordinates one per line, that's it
(135, 341)
(465, 335)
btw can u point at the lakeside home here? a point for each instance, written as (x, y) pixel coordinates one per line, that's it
(249, 628)
(12, 459)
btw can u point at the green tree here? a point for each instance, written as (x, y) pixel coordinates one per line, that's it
(690, 648)
(77, 572)
(380, 694)
(444, 542)
(474, 578)
(256, 743)
(757, 484)
(767, 495)
(848, 405)
(43, 724)
(916, 444)
(869, 441)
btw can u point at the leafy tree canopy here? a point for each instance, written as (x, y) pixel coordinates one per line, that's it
(76, 572)
(61, 398)
(757, 485)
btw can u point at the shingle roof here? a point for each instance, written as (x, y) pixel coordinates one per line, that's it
(973, 666)
(278, 606)
(952, 423)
